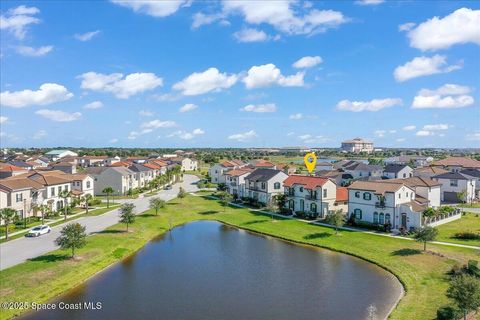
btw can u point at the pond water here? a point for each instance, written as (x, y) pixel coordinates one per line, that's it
(207, 270)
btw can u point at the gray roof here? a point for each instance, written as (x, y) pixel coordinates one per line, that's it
(360, 166)
(452, 175)
(471, 173)
(394, 167)
(20, 164)
(135, 167)
(262, 174)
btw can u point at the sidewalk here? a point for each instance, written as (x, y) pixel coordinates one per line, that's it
(341, 228)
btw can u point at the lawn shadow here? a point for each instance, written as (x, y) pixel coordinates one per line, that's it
(406, 252)
(51, 258)
(148, 215)
(254, 222)
(109, 232)
(172, 203)
(207, 212)
(317, 235)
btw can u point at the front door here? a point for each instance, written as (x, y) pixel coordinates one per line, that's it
(404, 220)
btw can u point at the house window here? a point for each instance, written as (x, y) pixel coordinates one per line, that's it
(20, 213)
(453, 183)
(375, 217)
(367, 196)
(59, 189)
(406, 194)
(302, 205)
(358, 214)
(387, 218)
(291, 204)
(19, 197)
(324, 193)
(357, 194)
(381, 219)
(399, 196)
(301, 189)
(313, 207)
(52, 192)
(276, 185)
(264, 185)
(88, 184)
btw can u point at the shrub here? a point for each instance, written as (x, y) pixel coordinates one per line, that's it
(300, 214)
(94, 202)
(467, 235)
(448, 313)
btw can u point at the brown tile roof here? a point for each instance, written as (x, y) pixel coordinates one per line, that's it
(417, 207)
(159, 163)
(94, 157)
(431, 170)
(121, 164)
(379, 187)
(238, 172)
(15, 183)
(261, 163)
(151, 165)
(10, 168)
(307, 181)
(47, 179)
(342, 194)
(417, 182)
(458, 161)
(232, 163)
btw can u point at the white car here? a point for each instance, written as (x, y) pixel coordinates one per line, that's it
(38, 231)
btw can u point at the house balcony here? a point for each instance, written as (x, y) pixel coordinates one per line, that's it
(232, 184)
(310, 197)
(380, 205)
(255, 188)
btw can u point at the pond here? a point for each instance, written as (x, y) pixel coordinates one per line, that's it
(207, 270)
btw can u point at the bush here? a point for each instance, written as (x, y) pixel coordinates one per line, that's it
(467, 235)
(94, 202)
(300, 214)
(448, 313)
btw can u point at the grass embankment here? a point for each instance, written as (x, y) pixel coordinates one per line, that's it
(423, 274)
(470, 222)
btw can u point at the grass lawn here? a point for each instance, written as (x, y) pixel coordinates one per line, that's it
(113, 197)
(469, 222)
(423, 274)
(472, 205)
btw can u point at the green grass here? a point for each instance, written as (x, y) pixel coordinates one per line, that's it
(113, 197)
(469, 222)
(423, 274)
(470, 205)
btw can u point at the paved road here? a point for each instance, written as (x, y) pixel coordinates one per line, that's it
(19, 250)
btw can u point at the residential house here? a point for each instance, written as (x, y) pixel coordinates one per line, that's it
(397, 171)
(93, 161)
(120, 179)
(357, 145)
(216, 172)
(312, 196)
(456, 187)
(324, 166)
(143, 174)
(456, 164)
(66, 167)
(428, 172)
(341, 200)
(161, 164)
(338, 176)
(385, 202)
(425, 188)
(21, 195)
(24, 164)
(261, 164)
(187, 164)
(8, 170)
(111, 160)
(360, 170)
(262, 185)
(475, 174)
(137, 159)
(288, 169)
(40, 160)
(82, 184)
(55, 155)
(235, 181)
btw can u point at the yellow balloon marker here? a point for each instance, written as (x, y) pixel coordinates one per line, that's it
(310, 160)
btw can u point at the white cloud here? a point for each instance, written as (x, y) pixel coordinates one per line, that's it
(261, 108)
(424, 66)
(282, 15)
(34, 52)
(114, 140)
(308, 138)
(86, 36)
(157, 9)
(59, 115)
(200, 19)
(184, 135)
(122, 88)
(203, 82)
(243, 136)
(3, 119)
(17, 20)
(373, 105)
(424, 133)
(434, 127)
(40, 134)
(296, 116)
(188, 107)
(406, 26)
(48, 93)
(448, 96)
(307, 62)
(157, 123)
(93, 105)
(380, 133)
(145, 113)
(401, 140)
(409, 128)
(268, 75)
(250, 35)
(369, 2)
(460, 27)
(473, 136)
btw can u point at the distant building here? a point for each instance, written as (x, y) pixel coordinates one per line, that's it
(58, 154)
(456, 164)
(357, 145)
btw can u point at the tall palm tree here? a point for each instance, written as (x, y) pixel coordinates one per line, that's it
(65, 195)
(42, 208)
(108, 191)
(85, 200)
(7, 215)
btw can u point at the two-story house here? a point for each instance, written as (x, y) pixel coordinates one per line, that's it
(360, 170)
(312, 196)
(262, 185)
(21, 195)
(235, 181)
(475, 174)
(385, 202)
(456, 187)
(428, 172)
(143, 174)
(186, 164)
(216, 172)
(456, 164)
(120, 179)
(397, 171)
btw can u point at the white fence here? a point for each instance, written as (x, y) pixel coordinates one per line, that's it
(443, 218)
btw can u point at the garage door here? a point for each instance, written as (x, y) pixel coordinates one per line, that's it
(450, 197)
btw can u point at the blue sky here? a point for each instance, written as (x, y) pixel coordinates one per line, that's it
(97, 74)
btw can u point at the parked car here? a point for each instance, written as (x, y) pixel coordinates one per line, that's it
(38, 231)
(169, 187)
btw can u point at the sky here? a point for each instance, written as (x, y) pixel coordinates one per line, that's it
(239, 74)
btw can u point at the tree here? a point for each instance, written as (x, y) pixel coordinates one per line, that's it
(152, 185)
(7, 215)
(280, 201)
(462, 196)
(336, 219)
(42, 208)
(108, 191)
(127, 215)
(157, 204)
(85, 200)
(464, 290)
(225, 199)
(72, 236)
(425, 234)
(221, 187)
(65, 195)
(182, 193)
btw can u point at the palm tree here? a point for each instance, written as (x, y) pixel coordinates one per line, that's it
(7, 215)
(108, 191)
(65, 194)
(85, 200)
(42, 208)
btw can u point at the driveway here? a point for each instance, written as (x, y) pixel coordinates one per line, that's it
(19, 250)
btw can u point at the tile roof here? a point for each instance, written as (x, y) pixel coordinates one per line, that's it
(232, 163)
(431, 170)
(418, 207)
(342, 194)
(238, 172)
(159, 163)
(261, 163)
(10, 167)
(395, 168)
(152, 166)
(308, 182)
(458, 161)
(15, 183)
(471, 173)
(263, 174)
(452, 175)
(418, 182)
(379, 187)
(47, 179)
(135, 167)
